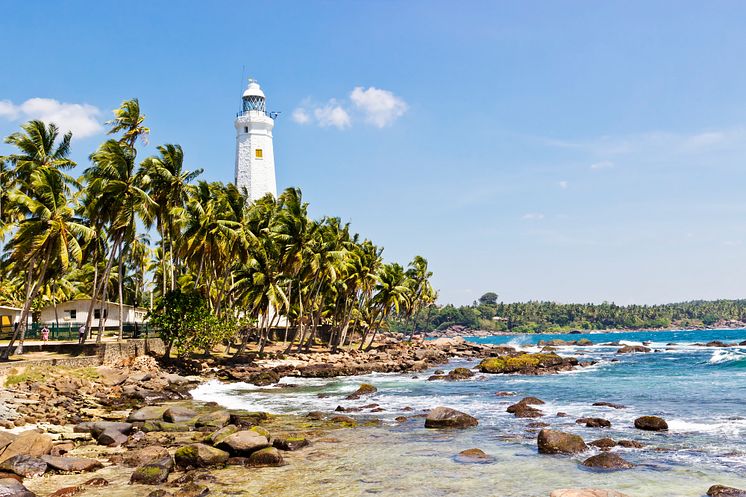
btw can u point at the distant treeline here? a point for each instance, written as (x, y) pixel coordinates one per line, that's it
(542, 317)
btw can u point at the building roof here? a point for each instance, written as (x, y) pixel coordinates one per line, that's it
(108, 302)
(253, 90)
(9, 308)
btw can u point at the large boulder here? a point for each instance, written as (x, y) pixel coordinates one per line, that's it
(559, 442)
(112, 438)
(178, 414)
(199, 456)
(13, 488)
(459, 374)
(25, 466)
(523, 408)
(594, 422)
(146, 455)
(723, 491)
(223, 433)
(6, 438)
(445, 417)
(243, 443)
(268, 456)
(28, 443)
(365, 389)
(586, 492)
(531, 364)
(147, 413)
(72, 464)
(215, 419)
(633, 349)
(100, 427)
(150, 474)
(607, 461)
(651, 423)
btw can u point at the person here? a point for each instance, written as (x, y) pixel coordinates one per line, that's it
(81, 334)
(45, 334)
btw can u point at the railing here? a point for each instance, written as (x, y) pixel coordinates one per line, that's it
(69, 331)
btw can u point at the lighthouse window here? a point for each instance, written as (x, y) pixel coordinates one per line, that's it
(258, 153)
(245, 129)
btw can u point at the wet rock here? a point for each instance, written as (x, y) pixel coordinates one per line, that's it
(400, 419)
(177, 414)
(531, 364)
(146, 455)
(651, 423)
(160, 493)
(290, 443)
(10, 487)
(215, 419)
(72, 464)
(559, 442)
(609, 404)
(633, 349)
(315, 415)
(222, 433)
(68, 491)
(97, 482)
(28, 443)
(192, 490)
(243, 443)
(723, 491)
(459, 374)
(343, 420)
(594, 422)
(150, 474)
(199, 456)
(586, 492)
(607, 461)
(630, 444)
(262, 431)
(269, 456)
(25, 466)
(112, 438)
(445, 417)
(561, 414)
(474, 456)
(505, 394)
(147, 413)
(603, 443)
(523, 409)
(365, 389)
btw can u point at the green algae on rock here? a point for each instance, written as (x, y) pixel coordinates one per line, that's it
(527, 364)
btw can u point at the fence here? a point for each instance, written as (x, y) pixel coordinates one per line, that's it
(69, 331)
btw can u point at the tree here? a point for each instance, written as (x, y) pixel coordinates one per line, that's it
(488, 298)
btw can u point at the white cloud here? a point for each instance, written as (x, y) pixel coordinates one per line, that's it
(604, 164)
(81, 119)
(380, 107)
(533, 216)
(564, 184)
(332, 114)
(300, 116)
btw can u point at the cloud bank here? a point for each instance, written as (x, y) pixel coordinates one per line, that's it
(80, 119)
(373, 106)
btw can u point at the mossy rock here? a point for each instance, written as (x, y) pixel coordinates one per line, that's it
(262, 431)
(345, 421)
(365, 389)
(150, 474)
(291, 443)
(222, 434)
(199, 456)
(269, 456)
(524, 363)
(215, 419)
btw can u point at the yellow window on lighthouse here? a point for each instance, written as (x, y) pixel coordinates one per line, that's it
(258, 153)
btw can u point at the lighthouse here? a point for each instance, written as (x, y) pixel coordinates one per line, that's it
(255, 157)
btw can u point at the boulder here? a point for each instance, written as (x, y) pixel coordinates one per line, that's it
(178, 414)
(504, 394)
(243, 443)
(160, 493)
(147, 413)
(532, 364)
(559, 442)
(609, 404)
(290, 443)
(603, 443)
(474, 456)
(586, 492)
(72, 464)
(96, 482)
(723, 491)
(594, 422)
(607, 461)
(459, 374)
(222, 433)
(111, 377)
(100, 427)
(25, 466)
(10, 487)
(365, 389)
(651, 423)
(633, 349)
(199, 456)
(445, 417)
(630, 444)
(6, 438)
(523, 409)
(192, 490)
(68, 491)
(215, 419)
(150, 474)
(146, 455)
(112, 438)
(28, 443)
(262, 431)
(268, 456)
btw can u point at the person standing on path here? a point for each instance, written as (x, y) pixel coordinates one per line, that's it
(81, 334)
(44, 334)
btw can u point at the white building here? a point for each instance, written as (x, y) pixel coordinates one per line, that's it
(255, 156)
(76, 312)
(9, 316)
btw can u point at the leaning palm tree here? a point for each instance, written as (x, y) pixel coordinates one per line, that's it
(50, 233)
(38, 147)
(129, 121)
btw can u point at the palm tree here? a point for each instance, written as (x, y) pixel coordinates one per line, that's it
(50, 233)
(129, 120)
(391, 292)
(421, 291)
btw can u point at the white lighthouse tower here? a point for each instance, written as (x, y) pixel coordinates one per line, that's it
(255, 156)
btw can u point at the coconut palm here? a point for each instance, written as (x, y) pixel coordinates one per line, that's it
(129, 121)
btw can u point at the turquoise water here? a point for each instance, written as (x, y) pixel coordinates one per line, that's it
(700, 391)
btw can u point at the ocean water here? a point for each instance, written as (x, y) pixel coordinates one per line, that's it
(700, 391)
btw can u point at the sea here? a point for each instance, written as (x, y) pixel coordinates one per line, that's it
(699, 391)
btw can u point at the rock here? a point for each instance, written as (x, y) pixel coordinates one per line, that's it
(176, 414)
(473, 456)
(269, 456)
(111, 377)
(68, 491)
(633, 349)
(6, 439)
(505, 394)
(630, 444)
(215, 419)
(199, 456)
(12, 476)
(723, 491)
(150, 474)
(586, 492)
(25, 466)
(72, 464)
(147, 413)
(607, 461)
(10, 487)
(609, 404)
(112, 438)
(262, 431)
(290, 443)
(146, 455)
(100, 427)
(365, 389)
(594, 422)
(445, 417)
(243, 443)
(559, 442)
(96, 482)
(459, 374)
(532, 364)
(343, 420)
(315, 415)
(603, 443)
(651, 423)
(160, 493)
(192, 490)
(523, 409)
(222, 433)
(28, 443)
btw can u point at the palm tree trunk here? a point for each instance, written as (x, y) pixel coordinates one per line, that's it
(121, 301)
(104, 285)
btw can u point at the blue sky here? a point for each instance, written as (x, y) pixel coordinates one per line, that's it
(568, 151)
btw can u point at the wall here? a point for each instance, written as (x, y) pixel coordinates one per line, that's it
(257, 175)
(81, 313)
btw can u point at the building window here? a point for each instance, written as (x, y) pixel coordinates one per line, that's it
(73, 313)
(245, 129)
(97, 313)
(258, 153)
